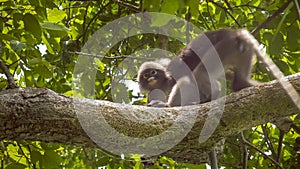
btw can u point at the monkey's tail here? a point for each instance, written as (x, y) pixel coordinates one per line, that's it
(275, 71)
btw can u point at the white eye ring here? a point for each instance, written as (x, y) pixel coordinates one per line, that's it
(145, 76)
(153, 72)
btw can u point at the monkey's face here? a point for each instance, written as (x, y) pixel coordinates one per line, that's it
(151, 79)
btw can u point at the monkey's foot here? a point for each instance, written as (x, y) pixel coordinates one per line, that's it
(157, 103)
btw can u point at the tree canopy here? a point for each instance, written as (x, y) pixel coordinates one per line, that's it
(43, 41)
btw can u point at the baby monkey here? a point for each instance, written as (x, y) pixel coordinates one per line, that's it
(154, 79)
(206, 57)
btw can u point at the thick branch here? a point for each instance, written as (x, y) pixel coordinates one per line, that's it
(40, 114)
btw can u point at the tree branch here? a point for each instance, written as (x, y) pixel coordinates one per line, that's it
(128, 5)
(227, 11)
(110, 57)
(43, 115)
(270, 18)
(10, 78)
(264, 154)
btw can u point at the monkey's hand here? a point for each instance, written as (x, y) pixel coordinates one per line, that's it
(157, 103)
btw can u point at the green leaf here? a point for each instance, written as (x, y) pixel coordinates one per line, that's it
(1, 23)
(49, 146)
(35, 156)
(55, 43)
(42, 67)
(100, 65)
(255, 2)
(32, 25)
(14, 154)
(41, 12)
(53, 26)
(169, 6)
(103, 161)
(44, 71)
(194, 8)
(15, 165)
(151, 6)
(28, 75)
(56, 15)
(29, 39)
(51, 159)
(160, 20)
(293, 38)
(267, 36)
(194, 166)
(16, 45)
(276, 44)
(57, 33)
(222, 16)
(283, 66)
(49, 47)
(17, 18)
(35, 2)
(35, 61)
(3, 83)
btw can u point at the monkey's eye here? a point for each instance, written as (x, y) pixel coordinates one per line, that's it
(153, 72)
(145, 76)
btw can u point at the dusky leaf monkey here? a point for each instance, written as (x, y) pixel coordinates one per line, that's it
(233, 48)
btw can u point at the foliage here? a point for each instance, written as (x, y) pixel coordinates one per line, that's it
(28, 27)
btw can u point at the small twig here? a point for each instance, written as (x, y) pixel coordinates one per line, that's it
(245, 152)
(226, 10)
(108, 57)
(212, 21)
(279, 149)
(84, 34)
(257, 149)
(187, 30)
(297, 6)
(27, 158)
(250, 6)
(269, 141)
(95, 17)
(296, 128)
(125, 4)
(270, 18)
(10, 78)
(228, 5)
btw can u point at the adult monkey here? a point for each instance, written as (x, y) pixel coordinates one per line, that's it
(234, 48)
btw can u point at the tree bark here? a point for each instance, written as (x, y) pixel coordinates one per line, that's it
(40, 114)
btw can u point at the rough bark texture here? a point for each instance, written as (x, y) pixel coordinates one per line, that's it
(41, 114)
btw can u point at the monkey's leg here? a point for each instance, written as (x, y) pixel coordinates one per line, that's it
(185, 92)
(241, 73)
(157, 94)
(239, 82)
(207, 84)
